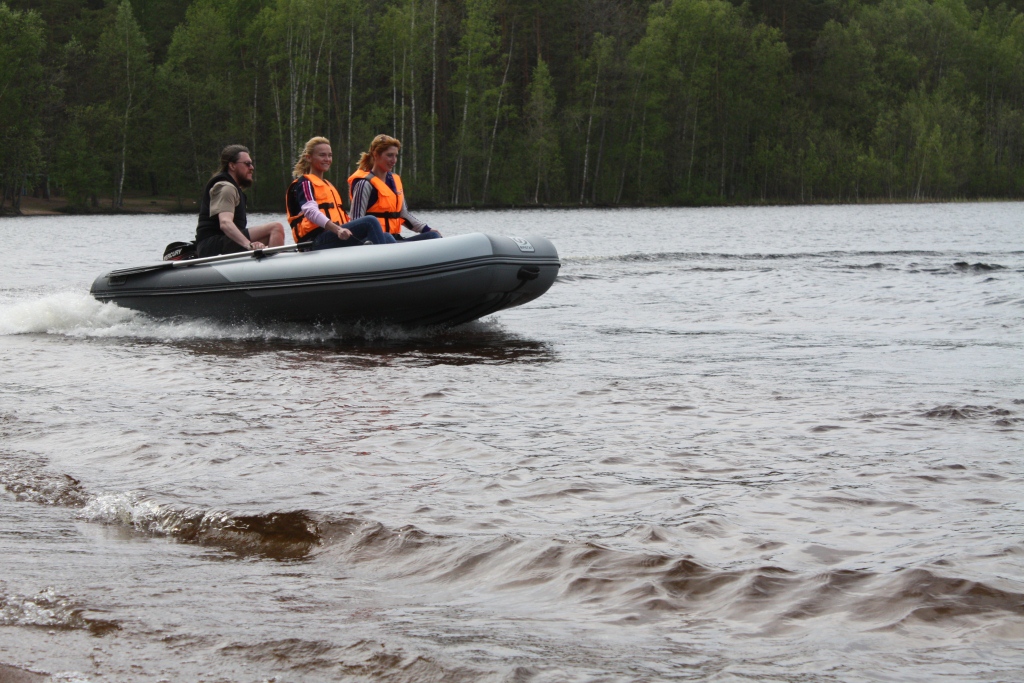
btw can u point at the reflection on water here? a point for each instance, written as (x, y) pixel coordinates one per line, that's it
(474, 343)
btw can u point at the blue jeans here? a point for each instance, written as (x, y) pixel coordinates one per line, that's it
(362, 229)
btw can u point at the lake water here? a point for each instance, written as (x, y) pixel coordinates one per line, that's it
(772, 444)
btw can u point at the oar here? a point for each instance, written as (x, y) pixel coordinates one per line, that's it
(166, 265)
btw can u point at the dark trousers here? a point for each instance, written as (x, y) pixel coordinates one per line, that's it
(219, 244)
(365, 229)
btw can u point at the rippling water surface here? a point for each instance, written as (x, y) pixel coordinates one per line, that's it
(774, 444)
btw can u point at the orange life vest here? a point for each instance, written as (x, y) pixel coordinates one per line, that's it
(327, 200)
(388, 207)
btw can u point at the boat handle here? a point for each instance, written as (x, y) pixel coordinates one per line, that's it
(528, 273)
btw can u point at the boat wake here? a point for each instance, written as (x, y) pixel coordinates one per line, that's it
(67, 313)
(74, 314)
(619, 580)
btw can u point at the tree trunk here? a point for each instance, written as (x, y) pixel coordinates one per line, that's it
(412, 86)
(351, 77)
(328, 87)
(640, 159)
(497, 112)
(401, 107)
(693, 146)
(433, 93)
(394, 92)
(629, 129)
(191, 130)
(597, 165)
(292, 89)
(255, 111)
(462, 134)
(119, 198)
(590, 124)
(276, 89)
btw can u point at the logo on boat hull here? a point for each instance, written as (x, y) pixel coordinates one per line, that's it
(524, 245)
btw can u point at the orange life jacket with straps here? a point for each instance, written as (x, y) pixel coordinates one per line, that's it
(327, 200)
(388, 207)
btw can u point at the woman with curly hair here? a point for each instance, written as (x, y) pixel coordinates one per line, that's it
(315, 213)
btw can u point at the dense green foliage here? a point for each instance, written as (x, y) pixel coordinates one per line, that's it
(593, 102)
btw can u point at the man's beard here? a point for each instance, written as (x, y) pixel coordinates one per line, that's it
(245, 182)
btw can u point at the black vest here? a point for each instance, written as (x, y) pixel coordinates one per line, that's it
(209, 226)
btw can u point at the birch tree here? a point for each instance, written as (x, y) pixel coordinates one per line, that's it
(199, 103)
(299, 30)
(124, 60)
(597, 65)
(476, 85)
(541, 136)
(498, 112)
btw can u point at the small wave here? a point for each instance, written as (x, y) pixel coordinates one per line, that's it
(929, 262)
(633, 581)
(964, 266)
(757, 256)
(16, 674)
(48, 609)
(1000, 417)
(364, 540)
(644, 584)
(288, 534)
(28, 479)
(969, 412)
(826, 428)
(69, 677)
(363, 660)
(920, 594)
(279, 535)
(579, 277)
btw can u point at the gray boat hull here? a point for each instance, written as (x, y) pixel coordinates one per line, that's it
(433, 282)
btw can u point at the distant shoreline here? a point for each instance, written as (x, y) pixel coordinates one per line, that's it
(58, 206)
(148, 205)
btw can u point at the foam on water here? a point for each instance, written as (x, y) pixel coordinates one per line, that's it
(127, 508)
(67, 313)
(74, 314)
(49, 609)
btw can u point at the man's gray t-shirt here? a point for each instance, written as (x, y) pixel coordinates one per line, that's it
(224, 198)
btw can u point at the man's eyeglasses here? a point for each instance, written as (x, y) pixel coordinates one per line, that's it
(250, 164)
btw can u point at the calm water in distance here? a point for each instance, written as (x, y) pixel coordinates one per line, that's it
(772, 444)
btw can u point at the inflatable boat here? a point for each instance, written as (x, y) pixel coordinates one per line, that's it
(432, 282)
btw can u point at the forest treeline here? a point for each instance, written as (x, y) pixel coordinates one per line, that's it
(501, 102)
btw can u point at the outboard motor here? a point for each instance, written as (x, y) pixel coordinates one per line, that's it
(180, 251)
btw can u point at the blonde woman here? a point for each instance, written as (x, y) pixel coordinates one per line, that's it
(314, 206)
(376, 190)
